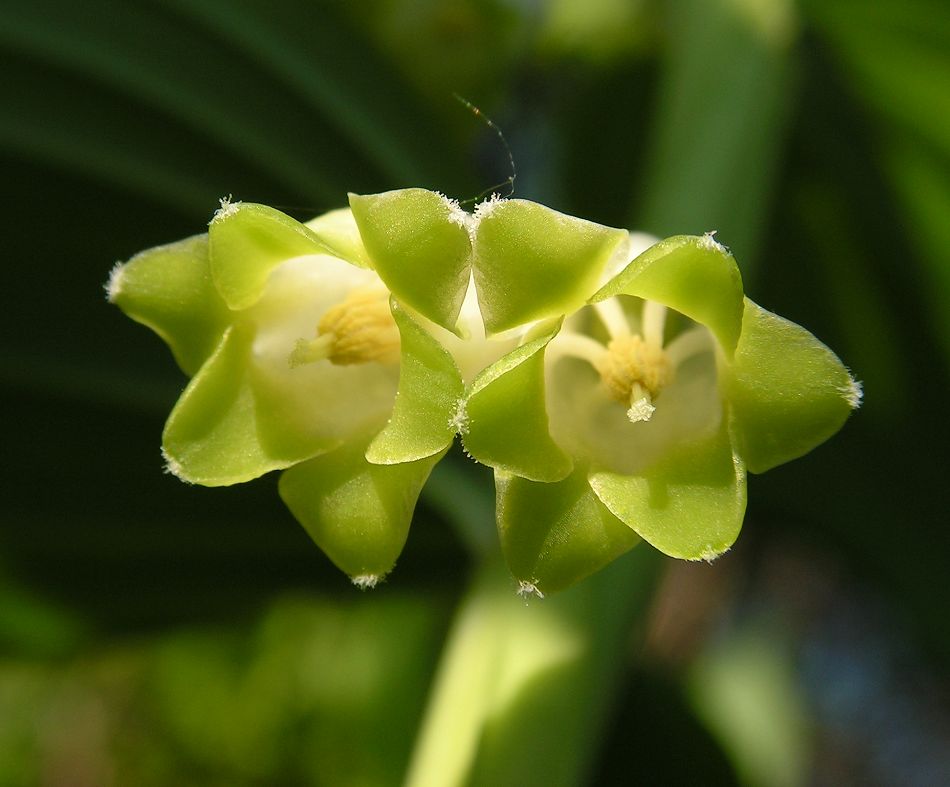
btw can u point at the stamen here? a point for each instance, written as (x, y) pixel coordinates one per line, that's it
(576, 345)
(612, 316)
(654, 320)
(311, 351)
(688, 344)
(357, 330)
(526, 589)
(632, 368)
(853, 393)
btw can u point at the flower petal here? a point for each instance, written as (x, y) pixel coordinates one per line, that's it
(247, 242)
(320, 403)
(591, 425)
(358, 513)
(430, 392)
(694, 275)
(554, 535)
(506, 418)
(169, 289)
(337, 230)
(419, 244)
(532, 262)
(788, 391)
(689, 504)
(219, 433)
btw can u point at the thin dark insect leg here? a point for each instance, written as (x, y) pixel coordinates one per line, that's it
(508, 182)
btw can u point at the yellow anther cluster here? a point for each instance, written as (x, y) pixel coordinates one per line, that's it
(357, 330)
(630, 361)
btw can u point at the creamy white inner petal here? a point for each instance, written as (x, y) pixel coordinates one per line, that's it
(473, 351)
(345, 378)
(619, 394)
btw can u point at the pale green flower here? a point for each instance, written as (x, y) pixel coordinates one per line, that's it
(294, 358)
(615, 401)
(638, 416)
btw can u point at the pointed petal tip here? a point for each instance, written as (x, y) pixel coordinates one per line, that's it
(367, 581)
(709, 554)
(458, 215)
(113, 285)
(708, 242)
(853, 393)
(528, 589)
(487, 206)
(174, 467)
(228, 208)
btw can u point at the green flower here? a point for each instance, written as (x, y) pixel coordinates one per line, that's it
(616, 402)
(525, 262)
(470, 287)
(638, 416)
(293, 354)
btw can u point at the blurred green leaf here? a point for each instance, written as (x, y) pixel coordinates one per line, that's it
(922, 183)
(724, 100)
(239, 705)
(309, 48)
(745, 691)
(896, 56)
(516, 677)
(236, 68)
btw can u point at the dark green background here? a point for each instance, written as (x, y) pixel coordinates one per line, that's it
(149, 631)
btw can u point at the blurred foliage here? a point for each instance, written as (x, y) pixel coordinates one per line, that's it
(219, 706)
(156, 633)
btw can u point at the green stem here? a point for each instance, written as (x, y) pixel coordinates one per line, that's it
(525, 686)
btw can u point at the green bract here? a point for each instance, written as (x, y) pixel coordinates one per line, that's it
(617, 400)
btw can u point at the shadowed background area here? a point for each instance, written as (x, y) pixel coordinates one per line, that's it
(154, 633)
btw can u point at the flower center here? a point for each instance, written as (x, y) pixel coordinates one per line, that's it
(635, 365)
(357, 330)
(634, 372)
